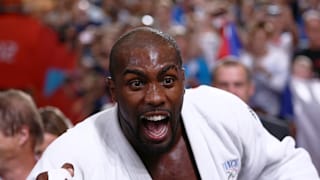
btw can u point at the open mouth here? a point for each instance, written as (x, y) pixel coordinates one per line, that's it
(155, 127)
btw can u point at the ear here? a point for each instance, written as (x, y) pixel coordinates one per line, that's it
(111, 88)
(23, 135)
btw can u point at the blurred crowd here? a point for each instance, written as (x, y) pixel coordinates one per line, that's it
(278, 40)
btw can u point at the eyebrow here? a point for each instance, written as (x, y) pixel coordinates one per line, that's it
(140, 73)
(167, 68)
(133, 71)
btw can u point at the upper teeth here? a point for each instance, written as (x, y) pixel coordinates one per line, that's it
(155, 118)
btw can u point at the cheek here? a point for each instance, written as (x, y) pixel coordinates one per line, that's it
(7, 147)
(176, 97)
(128, 104)
(129, 98)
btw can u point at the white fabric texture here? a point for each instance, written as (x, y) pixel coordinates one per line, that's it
(59, 174)
(226, 138)
(306, 103)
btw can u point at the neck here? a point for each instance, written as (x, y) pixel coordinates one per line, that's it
(18, 168)
(169, 165)
(154, 162)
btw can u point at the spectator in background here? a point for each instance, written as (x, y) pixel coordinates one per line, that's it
(89, 81)
(270, 67)
(223, 20)
(312, 29)
(302, 68)
(285, 32)
(235, 77)
(222, 36)
(21, 131)
(305, 5)
(91, 87)
(55, 123)
(188, 13)
(232, 76)
(209, 37)
(162, 15)
(195, 66)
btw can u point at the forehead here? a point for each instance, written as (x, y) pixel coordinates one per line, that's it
(231, 72)
(146, 51)
(148, 54)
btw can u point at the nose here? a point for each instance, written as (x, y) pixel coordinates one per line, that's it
(155, 95)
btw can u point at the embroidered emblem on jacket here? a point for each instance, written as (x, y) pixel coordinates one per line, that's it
(231, 168)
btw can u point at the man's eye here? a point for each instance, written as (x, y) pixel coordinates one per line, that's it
(168, 81)
(239, 84)
(135, 84)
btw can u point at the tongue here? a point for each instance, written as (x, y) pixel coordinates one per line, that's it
(156, 130)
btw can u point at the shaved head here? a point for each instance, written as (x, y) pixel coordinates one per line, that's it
(141, 37)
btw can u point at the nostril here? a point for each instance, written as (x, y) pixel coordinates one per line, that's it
(154, 99)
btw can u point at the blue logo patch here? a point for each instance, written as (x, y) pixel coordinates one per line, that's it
(231, 168)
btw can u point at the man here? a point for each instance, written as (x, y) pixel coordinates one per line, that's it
(20, 131)
(55, 123)
(233, 76)
(159, 130)
(311, 20)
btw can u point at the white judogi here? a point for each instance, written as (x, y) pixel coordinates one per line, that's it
(227, 140)
(306, 103)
